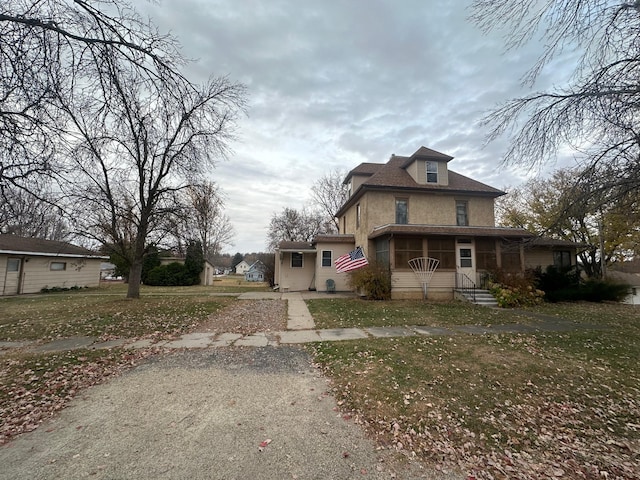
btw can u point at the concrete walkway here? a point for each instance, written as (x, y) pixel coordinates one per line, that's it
(300, 329)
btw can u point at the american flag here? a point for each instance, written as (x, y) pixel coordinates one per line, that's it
(351, 261)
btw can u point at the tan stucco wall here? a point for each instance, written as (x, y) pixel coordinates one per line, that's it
(538, 258)
(295, 279)
(378, 208)
(325, 273)
(36, 273)
(356, 181)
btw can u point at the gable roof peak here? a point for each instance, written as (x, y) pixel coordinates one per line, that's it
(427, 153)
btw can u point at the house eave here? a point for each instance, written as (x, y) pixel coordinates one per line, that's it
(449, 230)
(437, 190)
(45, 254)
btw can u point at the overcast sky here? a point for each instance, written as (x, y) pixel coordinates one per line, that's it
(334, 83)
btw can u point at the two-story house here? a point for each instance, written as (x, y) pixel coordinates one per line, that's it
(417, 207)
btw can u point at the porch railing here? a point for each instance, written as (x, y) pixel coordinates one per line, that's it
(465, 285)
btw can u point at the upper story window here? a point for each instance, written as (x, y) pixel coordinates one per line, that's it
(432, 172)
(358, 216)
(462, 215)
(402, 211)
(296, 259)
(326, 258)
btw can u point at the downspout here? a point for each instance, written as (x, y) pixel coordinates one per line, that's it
(21, 275)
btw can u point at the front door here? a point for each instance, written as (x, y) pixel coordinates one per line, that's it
(12, 276)
(466, 258)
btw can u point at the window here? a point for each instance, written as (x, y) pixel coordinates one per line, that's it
(296, 259)
(407, 248)
(432, 172)
(13, 265)
(465, 258)
(326, 258)
(402, 211)
(58, 266)
(510, 257)
(444, 249)
(486, 254)
(382, 251)
(462, 217)
(358, 216)
(562, 259)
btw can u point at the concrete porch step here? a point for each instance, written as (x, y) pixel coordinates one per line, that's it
(482, 297)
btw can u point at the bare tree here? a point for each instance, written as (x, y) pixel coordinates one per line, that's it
(28, 215)
(329, 194)
(203, 219)
(596, 114)
(296, 226)
(126, 130)
(44, 48)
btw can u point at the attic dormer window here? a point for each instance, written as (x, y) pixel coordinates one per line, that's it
(432, 172)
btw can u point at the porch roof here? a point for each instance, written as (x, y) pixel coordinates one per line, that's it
(335, 238)
(451, 230)
(303, 247)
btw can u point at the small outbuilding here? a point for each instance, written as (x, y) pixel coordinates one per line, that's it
(28, 265)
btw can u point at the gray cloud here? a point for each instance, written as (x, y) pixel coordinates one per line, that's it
(335, 83)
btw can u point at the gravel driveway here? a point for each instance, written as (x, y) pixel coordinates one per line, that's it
(204, 414)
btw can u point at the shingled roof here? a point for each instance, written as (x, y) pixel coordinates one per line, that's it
(13, 244)
(394, 176)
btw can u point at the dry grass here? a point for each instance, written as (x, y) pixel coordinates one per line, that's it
(544, 405)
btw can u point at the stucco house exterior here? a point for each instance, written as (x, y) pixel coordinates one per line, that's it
(27, 265)
(417, 207)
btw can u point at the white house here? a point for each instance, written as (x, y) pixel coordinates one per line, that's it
(242, 268)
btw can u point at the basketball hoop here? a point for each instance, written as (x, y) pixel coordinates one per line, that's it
(424, 267)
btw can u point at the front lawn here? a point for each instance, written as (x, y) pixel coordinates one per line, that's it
(56, 315)
(526, 406)
(356, 312)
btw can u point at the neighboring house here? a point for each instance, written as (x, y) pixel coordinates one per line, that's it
(27, 265)
(107, 270)
(207, 274)
(416, 207)
(627, 273)
(242, 268)
(255, 272)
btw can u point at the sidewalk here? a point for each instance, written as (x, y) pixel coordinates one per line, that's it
(300, 329)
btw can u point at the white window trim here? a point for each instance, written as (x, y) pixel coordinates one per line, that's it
(302, 258)
(427, 172)
(322, 259)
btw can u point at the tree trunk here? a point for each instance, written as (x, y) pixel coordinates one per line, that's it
(135, 272)
(135, 276)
